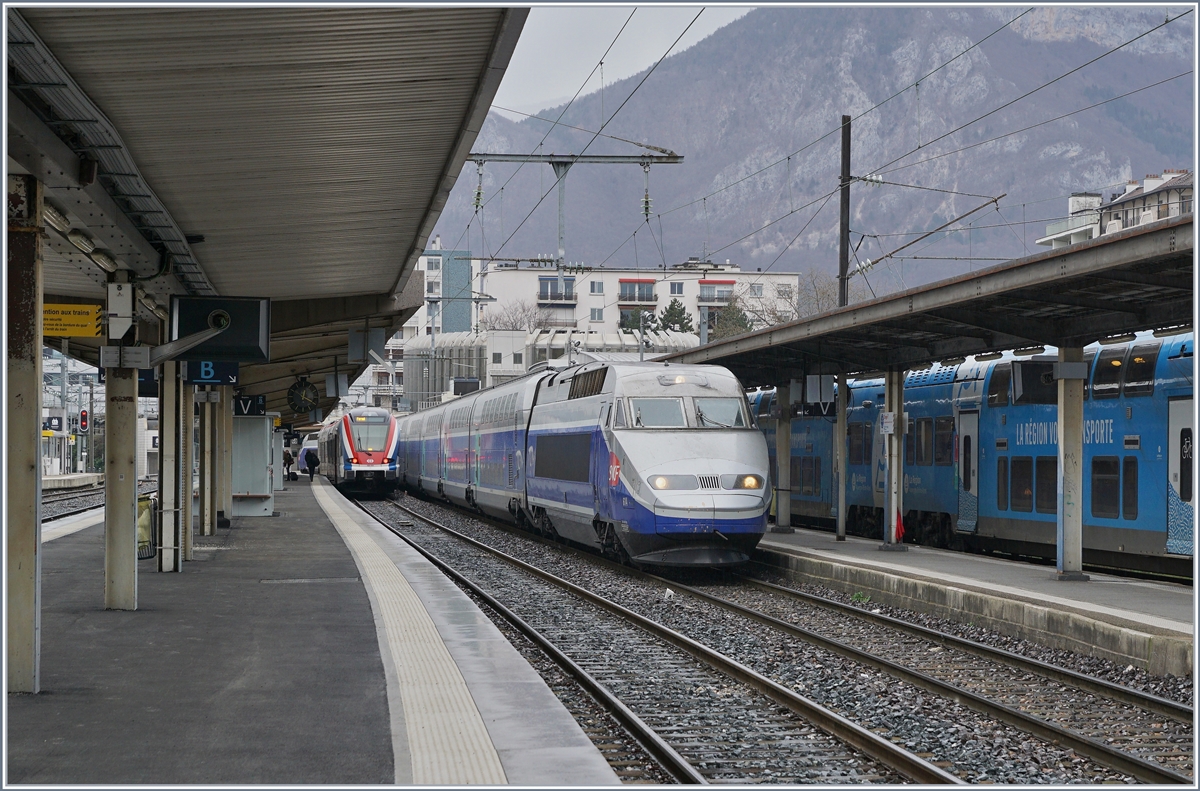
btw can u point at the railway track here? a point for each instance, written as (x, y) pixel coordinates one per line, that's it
(1128, 733)
(60, 504)
(704, 716)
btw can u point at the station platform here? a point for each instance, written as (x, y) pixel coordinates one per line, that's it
(73, 480)
(1147, 624)
(308, 647)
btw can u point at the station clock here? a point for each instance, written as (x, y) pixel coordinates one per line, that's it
(302, 396)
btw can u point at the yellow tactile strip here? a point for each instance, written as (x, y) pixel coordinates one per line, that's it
(448, 741)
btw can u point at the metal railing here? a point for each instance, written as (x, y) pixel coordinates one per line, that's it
(1072, 223)
(557, 296)
(626, 298)
(715, 299)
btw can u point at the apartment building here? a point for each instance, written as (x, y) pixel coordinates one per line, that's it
(1157, 197)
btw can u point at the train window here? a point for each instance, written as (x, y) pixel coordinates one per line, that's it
(967, 463)
(856, 443)
(764, 404)
(1033, 383)
(924, 440)
(1106, 379)
(1129, 487)
(1047, 484)
(1106, 489)
(657, 412)
(1139, 372)
(810, 476)
(910, 456)
(719, 413)
(619, 414)
(943, 442)
(1088, 359)
(1185, 465)
(1002, 483)
(998, 387)
(1022, 483)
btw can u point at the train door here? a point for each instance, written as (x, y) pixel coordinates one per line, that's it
(968, 471)
(1180, 470)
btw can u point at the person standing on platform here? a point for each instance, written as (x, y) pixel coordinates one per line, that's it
(288, 461)
(312, 461)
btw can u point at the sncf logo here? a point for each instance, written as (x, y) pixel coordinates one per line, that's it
(614, 469)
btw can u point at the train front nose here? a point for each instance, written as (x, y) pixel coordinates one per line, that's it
(696, 513)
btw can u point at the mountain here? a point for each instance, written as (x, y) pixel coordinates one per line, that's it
(755, 109)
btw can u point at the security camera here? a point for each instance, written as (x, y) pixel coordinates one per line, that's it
(218, 320)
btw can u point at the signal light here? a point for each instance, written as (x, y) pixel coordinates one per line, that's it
(83, 421)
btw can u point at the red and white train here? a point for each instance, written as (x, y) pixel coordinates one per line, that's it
(359, 452)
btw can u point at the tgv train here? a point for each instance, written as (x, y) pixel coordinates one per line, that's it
(359, 451)
(981, 456)
(655, 463)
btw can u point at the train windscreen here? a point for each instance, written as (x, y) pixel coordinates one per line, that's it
(657, 412)
(369, 432)
(719, 413)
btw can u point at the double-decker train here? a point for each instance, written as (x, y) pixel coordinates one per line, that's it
(981, 456)
(360, 451)
(655, 463)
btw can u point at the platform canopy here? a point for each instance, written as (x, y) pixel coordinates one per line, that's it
(297, 153)
(1136, 279)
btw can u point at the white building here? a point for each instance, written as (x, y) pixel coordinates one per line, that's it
(1157, 197)
(591, 303)
(605, 299)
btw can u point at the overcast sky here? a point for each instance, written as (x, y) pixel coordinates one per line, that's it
(560, 46)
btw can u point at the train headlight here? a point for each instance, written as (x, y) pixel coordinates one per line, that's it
(674, 482)
(742, 482)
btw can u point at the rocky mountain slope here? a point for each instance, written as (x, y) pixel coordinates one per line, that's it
(755, 108)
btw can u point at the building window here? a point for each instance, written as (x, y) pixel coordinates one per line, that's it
(382, 378)
(433, 287)
(548, 288)
(783, 292)
(433, 263)
(757, 291)
(597, 314)
(597, 286)
(497, 358)
(517, 358)
(676, 289)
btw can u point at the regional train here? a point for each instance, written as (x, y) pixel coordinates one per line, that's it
(359, 452)
(981, 456)
(650, 463)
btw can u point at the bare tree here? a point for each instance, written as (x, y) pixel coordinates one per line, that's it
(819, 292)
(519, 315)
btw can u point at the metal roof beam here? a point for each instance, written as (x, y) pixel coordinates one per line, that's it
(1017, 327)
(296, 314)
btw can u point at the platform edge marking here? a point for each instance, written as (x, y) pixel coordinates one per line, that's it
(448, 741)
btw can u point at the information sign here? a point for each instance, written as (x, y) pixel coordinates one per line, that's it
(246, 406)
(208, 372)
(887, 423)
(71, 321)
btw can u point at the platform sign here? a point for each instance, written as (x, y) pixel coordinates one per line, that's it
(71, 321)
(249, 406)
(208, 372)
(52, 423)
(147, 381)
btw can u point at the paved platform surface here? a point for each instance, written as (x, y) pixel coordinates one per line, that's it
(286, 653)
(1148, 623)
(72, 480)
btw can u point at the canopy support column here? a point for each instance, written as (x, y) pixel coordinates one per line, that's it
(23, 532)
(893, 509)
(1070, 373)
(839, 451)
(120, 489)
(783, 460)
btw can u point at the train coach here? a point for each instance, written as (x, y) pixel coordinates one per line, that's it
(653, 463)
(981, 456)
(359, 452)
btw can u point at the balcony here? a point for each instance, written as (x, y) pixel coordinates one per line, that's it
(556, 323)
(715, 299)
(1071, 223)
(633, 298)
(557, 297)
